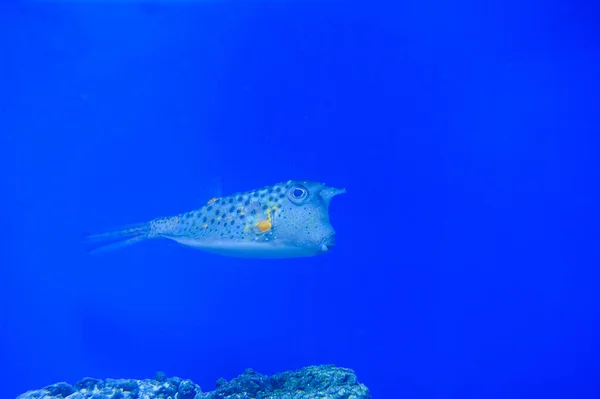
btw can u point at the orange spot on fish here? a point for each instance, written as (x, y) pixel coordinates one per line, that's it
(264, 225)
(210, 201)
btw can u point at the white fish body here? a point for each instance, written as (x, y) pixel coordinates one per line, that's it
(285, 220)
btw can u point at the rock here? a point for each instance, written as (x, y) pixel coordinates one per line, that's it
(250, 382)
(312, 382)
(166, 391)
(61, 389)
(160, 377)
(221, 382)
(307, 383)
(89, 384)
(187, 390)
(126, 385)
(175, 381)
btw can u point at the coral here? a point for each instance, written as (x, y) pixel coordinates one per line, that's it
(313, 382)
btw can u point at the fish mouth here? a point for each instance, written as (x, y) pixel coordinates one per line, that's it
(327, 244)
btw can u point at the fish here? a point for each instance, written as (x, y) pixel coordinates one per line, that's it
(285, 220)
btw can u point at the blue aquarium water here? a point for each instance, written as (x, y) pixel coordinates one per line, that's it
(464, 134)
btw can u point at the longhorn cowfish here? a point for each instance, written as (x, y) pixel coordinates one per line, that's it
(285, 220)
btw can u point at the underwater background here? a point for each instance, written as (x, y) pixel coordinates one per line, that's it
(465, 134)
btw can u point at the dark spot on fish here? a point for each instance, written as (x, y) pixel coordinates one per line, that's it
(253, 212)
(242, 216)
(262, 195)
(225, 224)
(239, 199)
(204, 219)
(232, 209)
(264, 207)
(217, 212)
(239, 211)
(231, 200)
(212, 221)
(271, 198)
(247, 202)
(232, 222)
(281, 195)
(278, 190)
(270, 190)
(209, 208)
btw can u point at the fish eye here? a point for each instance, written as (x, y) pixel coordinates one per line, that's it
(298, 194)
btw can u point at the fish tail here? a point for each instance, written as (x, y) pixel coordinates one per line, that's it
(118, 238)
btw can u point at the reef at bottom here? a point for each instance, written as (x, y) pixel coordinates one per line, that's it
(311, 382)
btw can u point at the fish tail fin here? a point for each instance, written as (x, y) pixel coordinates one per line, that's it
(118, 238)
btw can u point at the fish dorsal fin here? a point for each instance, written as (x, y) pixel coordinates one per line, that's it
(210, 190)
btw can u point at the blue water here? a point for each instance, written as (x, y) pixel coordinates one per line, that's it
(466, 263)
